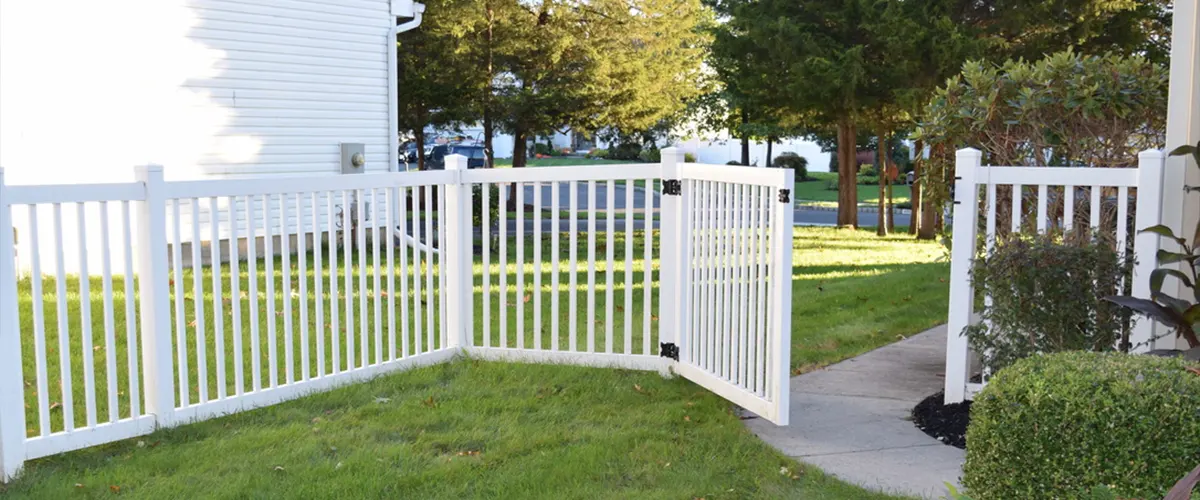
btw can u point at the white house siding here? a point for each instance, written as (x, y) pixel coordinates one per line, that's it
(206, 88)
(296, 78)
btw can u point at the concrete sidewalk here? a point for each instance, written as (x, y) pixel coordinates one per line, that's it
(852, 420)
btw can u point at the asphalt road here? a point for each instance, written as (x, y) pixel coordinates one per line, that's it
(801, 217)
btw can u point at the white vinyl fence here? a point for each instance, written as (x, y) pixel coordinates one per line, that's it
(245, 293)
(1116, 201)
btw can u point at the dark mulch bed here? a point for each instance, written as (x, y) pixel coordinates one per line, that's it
(945, 423)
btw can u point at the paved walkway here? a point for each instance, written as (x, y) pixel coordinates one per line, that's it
(852, 420)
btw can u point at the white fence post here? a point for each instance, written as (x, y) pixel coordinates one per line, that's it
(962, 294)
(673, 262)
(781, 297)
(153, 294)
(456, 255)
(1146, 245)
(12, 389)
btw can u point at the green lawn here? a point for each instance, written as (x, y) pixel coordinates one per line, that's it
(816, 192)
(494, 430)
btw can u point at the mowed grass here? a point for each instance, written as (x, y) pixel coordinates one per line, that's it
(851, 292)
(467, 429)
(816, 191)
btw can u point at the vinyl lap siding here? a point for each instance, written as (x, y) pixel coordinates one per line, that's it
(293, 79)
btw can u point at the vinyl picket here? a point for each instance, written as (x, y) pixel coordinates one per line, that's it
(1059, 193)
(328, 230)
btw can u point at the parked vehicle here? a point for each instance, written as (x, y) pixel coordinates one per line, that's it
(436, 158)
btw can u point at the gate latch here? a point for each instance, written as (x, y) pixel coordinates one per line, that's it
(672, 187)
(669, 350)
(785, 195)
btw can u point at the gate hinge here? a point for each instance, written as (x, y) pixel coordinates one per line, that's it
(672, 187)
(785, 195)
(669, 350)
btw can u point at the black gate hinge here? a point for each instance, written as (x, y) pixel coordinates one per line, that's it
(785, 195)
(669, 350)
(672, 187)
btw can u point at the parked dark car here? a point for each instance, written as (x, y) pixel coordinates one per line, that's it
(436, 159)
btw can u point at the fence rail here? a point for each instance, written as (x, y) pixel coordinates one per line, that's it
(1111, 201)
(142, 305)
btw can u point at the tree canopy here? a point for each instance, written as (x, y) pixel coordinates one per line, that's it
(534, 67)
(835, 67)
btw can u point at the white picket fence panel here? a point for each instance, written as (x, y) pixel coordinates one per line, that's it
(218, 296)
(1050, 185)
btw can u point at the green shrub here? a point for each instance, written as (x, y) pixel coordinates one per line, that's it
(689, 158)
(1036, 109)
(597, 153)
(542, 149)
(1101, 492)
(867, 175)
(1060, 425)
(733, 162)
(626, 152)
(1047, 295)
(493, 204)
(652, 155)
(831, 184)
(797, 163)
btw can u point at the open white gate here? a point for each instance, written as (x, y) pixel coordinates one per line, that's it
(669, 266)
(720, 314)
(734, 292)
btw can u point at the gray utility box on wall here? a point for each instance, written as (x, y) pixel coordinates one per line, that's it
(354, 158)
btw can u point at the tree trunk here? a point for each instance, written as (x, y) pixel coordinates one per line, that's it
(891, 207)
(847, 187)
(769, 141)
(519, 148)
(518, 161)
(882, 225)
(915, 189)
(745, 140)
(489, 129)
(929, 211)
(419, 136)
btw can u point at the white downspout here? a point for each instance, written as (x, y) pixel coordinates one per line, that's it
(394, 91)
(418, 9)
(393, 86)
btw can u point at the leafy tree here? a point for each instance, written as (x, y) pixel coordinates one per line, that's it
(1030, 29)
(607, 63)
(431, 80)
(850, 65)
(532, 67)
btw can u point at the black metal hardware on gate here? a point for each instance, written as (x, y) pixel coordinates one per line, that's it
(669, 350)
(785, 195)
(672, 187)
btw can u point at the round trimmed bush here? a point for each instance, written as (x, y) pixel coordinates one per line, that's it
(652, 155)
(1060, 425)
(626, 151)
(797, 163)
